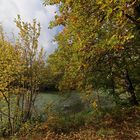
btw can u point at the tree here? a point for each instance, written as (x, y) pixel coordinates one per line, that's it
(21, 72)
(103, 37)
(10, 69)
(34, 63)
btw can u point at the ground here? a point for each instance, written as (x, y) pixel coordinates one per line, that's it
(125, 127)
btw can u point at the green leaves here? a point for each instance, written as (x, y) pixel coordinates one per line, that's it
(96, 43)
(21, 72)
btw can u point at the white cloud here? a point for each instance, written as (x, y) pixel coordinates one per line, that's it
(29, 10)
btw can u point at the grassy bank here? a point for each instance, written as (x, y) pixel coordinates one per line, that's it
(119, 124)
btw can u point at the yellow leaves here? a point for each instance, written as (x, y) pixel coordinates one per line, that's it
(50, 2)
(110, 1)
(16, 91)
(1, 96)
(68, 1)
(10, 66)
(96, 22)
(99, 2)
(94, 104)
(103, 6)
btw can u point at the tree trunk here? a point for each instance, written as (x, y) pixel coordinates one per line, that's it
(130, 88)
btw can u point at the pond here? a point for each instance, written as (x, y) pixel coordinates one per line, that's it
(68, 102)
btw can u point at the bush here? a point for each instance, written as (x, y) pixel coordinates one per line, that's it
(69, 122)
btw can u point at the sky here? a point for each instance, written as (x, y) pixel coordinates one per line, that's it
(29, 10)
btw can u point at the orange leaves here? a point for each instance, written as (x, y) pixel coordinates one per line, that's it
(73, 19)
(60, 20)
(118, 48)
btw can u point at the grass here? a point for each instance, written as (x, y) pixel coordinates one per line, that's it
(108, 127)
(67, 114)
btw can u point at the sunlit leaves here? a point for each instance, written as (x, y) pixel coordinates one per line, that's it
(102, 41)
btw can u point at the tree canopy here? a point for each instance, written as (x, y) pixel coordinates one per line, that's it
(98, 46)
